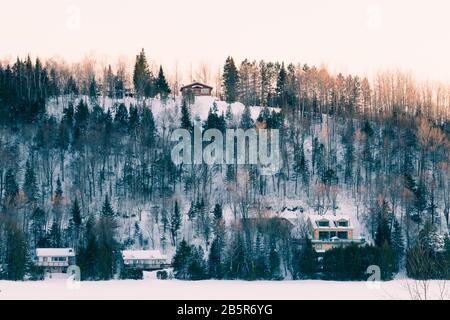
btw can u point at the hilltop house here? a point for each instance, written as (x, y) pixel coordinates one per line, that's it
(55, 260)
(197, 89)
(144, 259)
(329, 231)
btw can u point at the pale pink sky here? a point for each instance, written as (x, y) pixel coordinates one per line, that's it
(358, 36)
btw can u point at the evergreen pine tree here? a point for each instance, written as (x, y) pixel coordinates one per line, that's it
(75, 221)
(218, 221)
(16, 254)
(387, 261)
(106, 243)
(186, 122)
(215, 259)
(162, 87)
(175, 223)
(261, 269)
(107, 210)
(54, 236)
(93, 90)
(30, 187)
(142, 77)
(87, 258)
(383, 233)
(246, 119)
(181, 260)
(398, 244)
(281, 87)
(308, 261)
(147, 129)
(230, 80)
(11, 187)
(121, 119)
(75, 213)
(274, 263)
(197, 266)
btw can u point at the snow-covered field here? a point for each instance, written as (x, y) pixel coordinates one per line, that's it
(152, 289)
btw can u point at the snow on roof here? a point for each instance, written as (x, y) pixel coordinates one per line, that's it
(196, 85)
(55, 252)
(143, 255)
(331, 218)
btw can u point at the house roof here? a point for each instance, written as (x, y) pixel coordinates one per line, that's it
(196, 84)
(143, 255)
(55, 252)
(331, 218)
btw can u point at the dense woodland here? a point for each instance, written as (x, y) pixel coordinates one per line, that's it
(100, 179)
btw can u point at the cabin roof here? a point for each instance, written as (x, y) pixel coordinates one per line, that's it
(196, 85)
(55, 252)
(143, 255)
(331, 218)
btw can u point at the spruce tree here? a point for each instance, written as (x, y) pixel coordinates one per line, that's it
(281, 87)
(383, 233)
(181, 260)
(387, 261)
(106, 243)
(147, 129)
(246, 119)
(107, 210)
(274, 263)
(38, 222)
(261, 263)
(75, 213)
(142, 77)
(93, 90)
(230, 80)
(121, 119)
(11, 187)
(186, 122)
(16, 253)
(30, 187)
(398, 244)
(54, 236)
(75, 221)
(175, 223)
(215, 259)
(197, 266)
(87, 258)
(218, 221)
(162, 87)
(308, 261)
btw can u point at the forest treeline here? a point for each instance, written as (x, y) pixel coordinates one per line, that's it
(101, 179)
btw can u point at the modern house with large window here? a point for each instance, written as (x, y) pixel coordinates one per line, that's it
(329, 231)
(55, 260)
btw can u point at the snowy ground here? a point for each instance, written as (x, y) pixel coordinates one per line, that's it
(152, 289)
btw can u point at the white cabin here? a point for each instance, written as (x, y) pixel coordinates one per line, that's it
(144, 259)
(55, 259)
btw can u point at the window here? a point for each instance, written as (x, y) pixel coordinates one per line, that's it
(205, 91)
(343, 223)
(45, 259)
(324, 236)
(61, 259)
(343, 235)
(324, 223)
